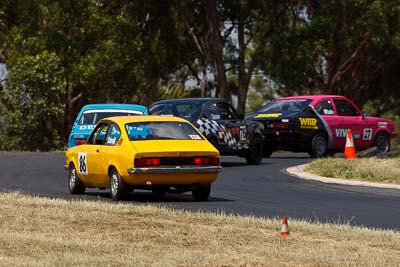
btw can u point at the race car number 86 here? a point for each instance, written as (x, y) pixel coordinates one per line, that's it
(82, 163)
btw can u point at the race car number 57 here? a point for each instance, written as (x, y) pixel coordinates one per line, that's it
(82, 163)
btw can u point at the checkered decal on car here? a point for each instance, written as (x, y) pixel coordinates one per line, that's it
(210, 126)
(206, 126)
(227, 137)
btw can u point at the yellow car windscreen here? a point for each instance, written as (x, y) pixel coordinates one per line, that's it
(161, 130)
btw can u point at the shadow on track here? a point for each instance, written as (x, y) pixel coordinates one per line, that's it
(149, 197)
(287, 157)
(232, 164)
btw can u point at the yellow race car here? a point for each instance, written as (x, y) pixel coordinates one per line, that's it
(158, 153)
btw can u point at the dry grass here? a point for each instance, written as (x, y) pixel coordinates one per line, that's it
(368, 169)
(46, 232)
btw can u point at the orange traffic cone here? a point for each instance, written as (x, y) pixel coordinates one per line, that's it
(285, 227)
(349, 150)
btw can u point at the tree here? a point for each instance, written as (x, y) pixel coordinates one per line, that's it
(338, 47)
(256, 22)
(135, 51)
(109, 51)
(363, 47)
(230, 37)
(33, 96)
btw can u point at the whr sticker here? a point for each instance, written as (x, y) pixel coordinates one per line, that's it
(308, 123)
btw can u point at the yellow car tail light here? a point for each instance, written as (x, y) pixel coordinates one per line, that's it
(206, 161)
(147, 162)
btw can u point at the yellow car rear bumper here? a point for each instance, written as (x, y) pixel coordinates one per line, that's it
(209, 169)
(172, 176)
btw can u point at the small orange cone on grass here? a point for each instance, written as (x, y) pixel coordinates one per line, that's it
(285, 227)
(349, 150)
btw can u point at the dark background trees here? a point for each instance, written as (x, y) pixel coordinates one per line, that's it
(61, 55)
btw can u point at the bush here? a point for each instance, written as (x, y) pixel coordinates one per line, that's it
(33, 98)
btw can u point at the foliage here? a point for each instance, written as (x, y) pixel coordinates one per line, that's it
(33, 97)
(263, 91)
(135, 51)
(339, 47)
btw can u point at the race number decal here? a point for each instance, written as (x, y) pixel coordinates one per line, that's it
(243, 133)
(367, 134)
(82, 163)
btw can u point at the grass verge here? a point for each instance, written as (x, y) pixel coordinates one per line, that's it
(51, 232)
(366, 169)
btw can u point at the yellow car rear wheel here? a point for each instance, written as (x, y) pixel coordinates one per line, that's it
(75, 184)
(159, 191)
(118, 188)
(201, 192)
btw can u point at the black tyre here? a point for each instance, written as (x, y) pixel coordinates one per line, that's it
(118, 189)
(159, 191)
(319, 146)
(382, 142)
(255, 153)
(75, 184)
(201, 192)
(267, 151)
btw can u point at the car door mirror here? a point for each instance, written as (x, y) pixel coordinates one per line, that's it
(364, 114)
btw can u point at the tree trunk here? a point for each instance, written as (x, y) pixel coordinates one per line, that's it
(67, 112)
(203, 83)
(216, 44)
(245, 76)
(243, 84)
(71, 109)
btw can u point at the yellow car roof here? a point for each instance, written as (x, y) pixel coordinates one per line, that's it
(141, 118)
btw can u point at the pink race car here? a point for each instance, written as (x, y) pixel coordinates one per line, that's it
(318, 124)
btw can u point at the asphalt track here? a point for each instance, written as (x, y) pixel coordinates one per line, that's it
(264, 190)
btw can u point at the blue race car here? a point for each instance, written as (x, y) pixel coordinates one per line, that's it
(89, 115)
